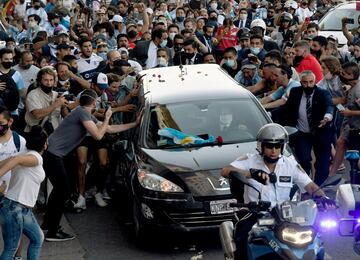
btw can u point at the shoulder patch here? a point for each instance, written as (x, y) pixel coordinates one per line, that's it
(242, 158)
(300, 168)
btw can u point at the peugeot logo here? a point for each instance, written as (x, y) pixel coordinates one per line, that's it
(222, 181)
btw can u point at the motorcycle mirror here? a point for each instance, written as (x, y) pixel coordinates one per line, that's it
(346, 227)
(291, 130)
(332, 180)
(240, 177)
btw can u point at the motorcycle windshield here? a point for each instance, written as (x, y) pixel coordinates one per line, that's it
(303, 212)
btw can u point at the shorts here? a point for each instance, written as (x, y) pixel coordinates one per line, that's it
(93, 144)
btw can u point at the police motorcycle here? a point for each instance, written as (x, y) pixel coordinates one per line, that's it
(288, 231)
(348, 195)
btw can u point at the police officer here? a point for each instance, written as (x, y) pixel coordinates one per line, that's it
(273, 175)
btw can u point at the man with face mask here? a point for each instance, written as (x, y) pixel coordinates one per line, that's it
(26, 68)
(43, 104)
(350, 128)
(11, 144)
(145, 51)
(243, 20)
(38, 10)
(318, 45)
(310, 110)
(6, 63)
(189, 55)
(303, 60)
(162, 58)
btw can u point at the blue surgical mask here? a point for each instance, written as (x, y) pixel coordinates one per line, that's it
(230, 63)
(255, 50)
(103, 55)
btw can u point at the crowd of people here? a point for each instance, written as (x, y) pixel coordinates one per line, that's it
(71, 68)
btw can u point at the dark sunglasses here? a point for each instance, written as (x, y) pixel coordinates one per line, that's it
(272, 146)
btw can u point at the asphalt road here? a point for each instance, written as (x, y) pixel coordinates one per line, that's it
(104, 234)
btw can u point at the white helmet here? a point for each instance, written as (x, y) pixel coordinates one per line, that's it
(272, 133)
(258, 23)
(291, 4)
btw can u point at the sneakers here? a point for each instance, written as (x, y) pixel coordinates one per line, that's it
(59, 236)
(81, 203)
(99, 200)
(106, 195)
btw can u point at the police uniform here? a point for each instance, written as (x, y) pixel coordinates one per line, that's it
(288, 173)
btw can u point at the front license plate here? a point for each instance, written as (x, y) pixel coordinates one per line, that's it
(222, 206)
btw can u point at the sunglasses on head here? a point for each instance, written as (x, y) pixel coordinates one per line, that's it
(272, 145)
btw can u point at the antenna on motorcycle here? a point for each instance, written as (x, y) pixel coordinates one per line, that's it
(240, 177)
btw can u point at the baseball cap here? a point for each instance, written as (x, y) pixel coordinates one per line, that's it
(117, 19)
(246, 64)
(244, 36)
(333, 38)
(64, 46)
(122, 50)
(140, 22)
(101, 80)
(61, 32)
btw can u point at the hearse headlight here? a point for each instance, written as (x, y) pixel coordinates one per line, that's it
(155, 182)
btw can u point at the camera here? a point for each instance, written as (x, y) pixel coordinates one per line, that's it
(349, 21)
(346, 88)
(70, 97)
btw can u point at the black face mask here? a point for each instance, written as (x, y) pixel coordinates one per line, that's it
(3, 129)
(177, 48)
(132, 34)
(46, 89)
(267, 159)
(297, 60)
(189, 56)
(345, 80)
(56, 24)
(316, 54)
(180, 19)
(110, 16)
(308, 91)
(37, 7)
(26, 67)
(74, 70)
(7, 64)
(213, 19)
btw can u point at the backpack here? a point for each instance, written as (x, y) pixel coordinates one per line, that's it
(16, 139)
(9, 97)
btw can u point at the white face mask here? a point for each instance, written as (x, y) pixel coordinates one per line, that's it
(328, 76)
(172, 35)
(162, 62)
(243, 17)
(226, 119)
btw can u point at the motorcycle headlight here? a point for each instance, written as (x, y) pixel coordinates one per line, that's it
(155, 182)
(296, 235)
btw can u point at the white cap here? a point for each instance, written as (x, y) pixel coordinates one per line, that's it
(149, 10)
(140, 22)
(123, 49)
(101, 80)
(117, 19)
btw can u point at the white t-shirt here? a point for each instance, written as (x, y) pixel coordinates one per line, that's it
(7, 150)
(287, 171)
(25, 182)
(28, 75)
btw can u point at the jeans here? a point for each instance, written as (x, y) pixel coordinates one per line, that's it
(56, 172)
(15, 220)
